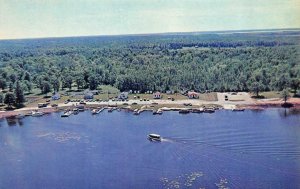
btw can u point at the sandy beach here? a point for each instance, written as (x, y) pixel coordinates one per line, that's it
(240, 100)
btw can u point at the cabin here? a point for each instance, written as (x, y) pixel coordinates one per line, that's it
(192, 95)
(123, 96)
(157, 95)
(94, 92)
(56, 96)
(88, 95)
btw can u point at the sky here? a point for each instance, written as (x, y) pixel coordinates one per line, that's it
(58, 18)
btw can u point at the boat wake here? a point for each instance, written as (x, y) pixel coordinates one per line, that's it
(166, 140)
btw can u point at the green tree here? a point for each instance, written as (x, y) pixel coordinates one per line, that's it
(295, 84)
(1, 98)
(3, 84)
(27, 85)
(55, 84)
(256, 87)
(27, 76)
(79, 82)
(20, 98)
(46, 87)
(285, 95)
(9, 99)
(67, 82)
(93, 82)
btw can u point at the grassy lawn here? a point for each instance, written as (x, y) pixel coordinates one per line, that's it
(106, 92)
(272, 94)
(108, 89)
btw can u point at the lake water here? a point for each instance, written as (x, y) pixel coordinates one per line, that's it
(251, 149)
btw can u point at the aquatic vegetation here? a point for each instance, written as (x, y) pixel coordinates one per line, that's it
(222, 184)
(186, 180)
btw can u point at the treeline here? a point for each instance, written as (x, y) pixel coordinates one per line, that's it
(172, 62)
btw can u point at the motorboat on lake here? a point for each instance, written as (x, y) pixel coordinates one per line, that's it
(154, 137)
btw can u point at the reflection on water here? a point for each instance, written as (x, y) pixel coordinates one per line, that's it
(285, 112)
(12, 121)
(250, 149)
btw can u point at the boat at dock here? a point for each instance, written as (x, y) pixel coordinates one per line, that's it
(20, 116)
(67, 114)
(154, 137)
(157, 112)
(238, 110)
(95, 111)
(197, 110)
(36, 113)
(136, 112)
(184, 111)
(209, 110)
(80, 108)
(75, 111)
(112, 109)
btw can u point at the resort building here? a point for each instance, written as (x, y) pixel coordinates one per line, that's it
(123, 96)
(88, 95)
(157, 95)
(192, 94)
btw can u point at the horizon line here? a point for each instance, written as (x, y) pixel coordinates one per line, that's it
(154, 33)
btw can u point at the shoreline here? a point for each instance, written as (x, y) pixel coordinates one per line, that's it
(163, 105)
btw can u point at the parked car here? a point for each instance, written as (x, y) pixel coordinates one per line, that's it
(82, 102)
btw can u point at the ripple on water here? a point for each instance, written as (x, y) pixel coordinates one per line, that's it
(62, 137)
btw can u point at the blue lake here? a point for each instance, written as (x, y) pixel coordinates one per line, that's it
(250, 149)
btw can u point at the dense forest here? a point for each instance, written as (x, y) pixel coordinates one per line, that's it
(224, 61)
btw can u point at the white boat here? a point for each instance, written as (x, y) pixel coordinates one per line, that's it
(154, 137)
(95, 111)
(67, 114)
(36, 113)
(157, 112)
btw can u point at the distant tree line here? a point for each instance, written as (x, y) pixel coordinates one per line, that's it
(202, 62)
